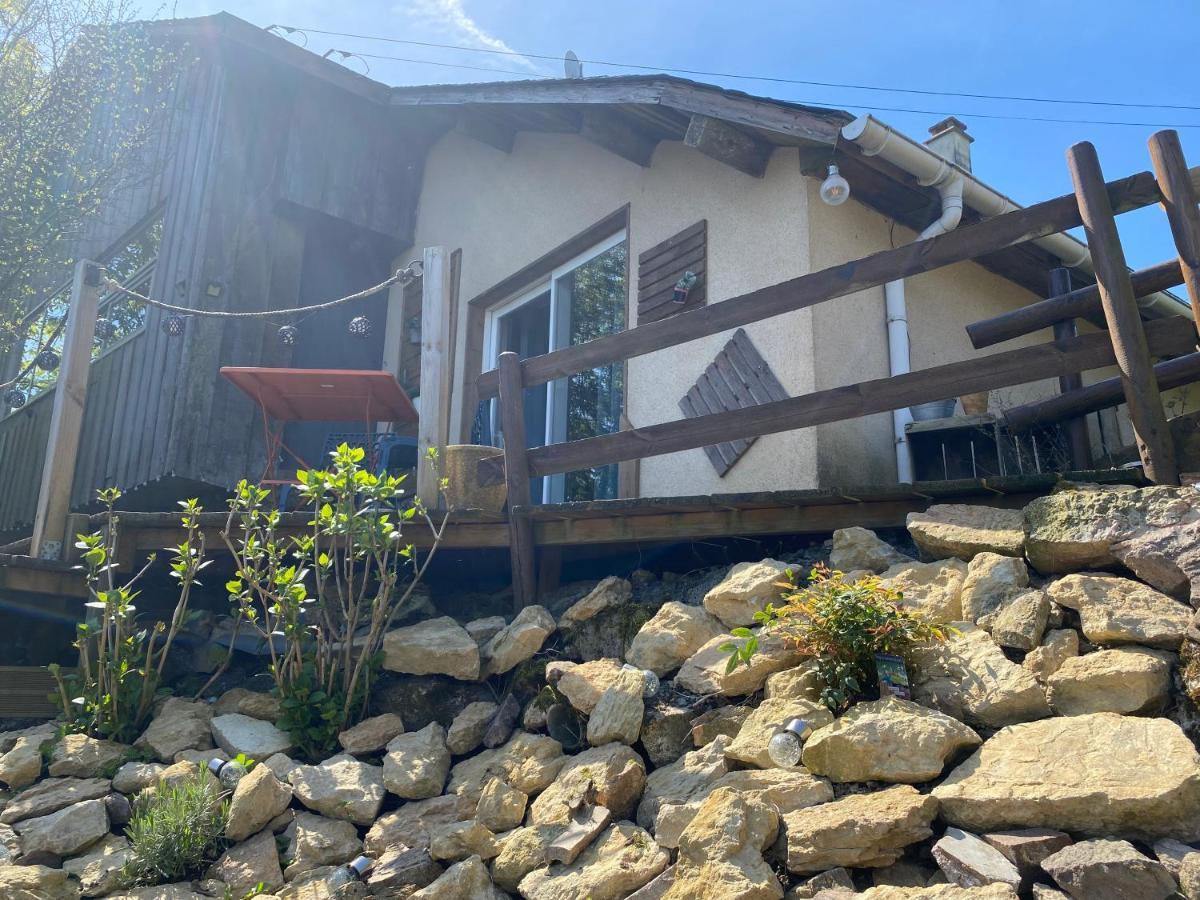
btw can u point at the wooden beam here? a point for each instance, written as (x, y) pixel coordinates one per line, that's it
(66, 419)
(516, 476)
(486, 130)
(837, 404)
(724, 143)
(612, 131)
(1124, 321)
(1077, 433)
(434, 403)
(1103, 394)
(1179, 203)
(964, 243)
(1081, 303)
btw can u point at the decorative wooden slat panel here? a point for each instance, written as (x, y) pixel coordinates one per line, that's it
(739, 377)
(25, 692)
(660, 267)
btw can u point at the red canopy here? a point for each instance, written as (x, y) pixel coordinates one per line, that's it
(324, 395)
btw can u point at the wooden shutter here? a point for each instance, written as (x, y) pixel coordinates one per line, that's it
(664, 264)
(739, 377)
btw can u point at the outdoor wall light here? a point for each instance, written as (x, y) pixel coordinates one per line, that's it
(835, 190)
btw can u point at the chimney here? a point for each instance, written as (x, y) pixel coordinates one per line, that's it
(949, 139)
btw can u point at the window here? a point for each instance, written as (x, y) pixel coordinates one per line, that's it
(579, 301)
(119, 315)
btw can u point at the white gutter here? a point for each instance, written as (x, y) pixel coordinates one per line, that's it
(877, 139)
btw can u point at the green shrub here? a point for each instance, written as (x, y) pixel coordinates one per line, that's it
(841, 627)
(175, 831)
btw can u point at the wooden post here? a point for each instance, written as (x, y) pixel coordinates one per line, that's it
(1077, 435)
(66, 418)
(433, 425)
(516, 477)
(1124, 320)
(1179, 203)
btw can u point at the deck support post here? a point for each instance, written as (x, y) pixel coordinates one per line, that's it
(1132, 354)
(516, 478)
(433, 410)
(1077, 434)
(66, 417)
(1179, 203)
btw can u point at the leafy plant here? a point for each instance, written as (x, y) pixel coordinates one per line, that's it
(322, 601)
(121, 663)
(175, 831)
(841, 626)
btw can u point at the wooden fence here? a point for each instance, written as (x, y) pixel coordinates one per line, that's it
(1111, 303)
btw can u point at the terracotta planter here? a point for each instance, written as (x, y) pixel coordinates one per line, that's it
(975, 404)
(460, 467)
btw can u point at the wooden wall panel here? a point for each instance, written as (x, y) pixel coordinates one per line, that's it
(661, 267)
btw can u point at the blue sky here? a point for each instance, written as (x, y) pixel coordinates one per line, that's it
(1099, 50)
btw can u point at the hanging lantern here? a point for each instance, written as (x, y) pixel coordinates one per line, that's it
(360, 327)
(172, 325)
(105, 330)
(287, 335)
(14, 398)
(47, 360)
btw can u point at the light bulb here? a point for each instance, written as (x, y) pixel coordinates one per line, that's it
(228, 771)
(784, 748)
(349, 873)
(835, 190)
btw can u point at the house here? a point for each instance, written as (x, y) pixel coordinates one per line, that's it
(576, 208)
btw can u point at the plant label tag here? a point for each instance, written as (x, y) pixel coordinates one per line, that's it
(893, 676)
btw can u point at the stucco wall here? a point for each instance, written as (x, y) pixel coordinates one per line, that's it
(505, 210)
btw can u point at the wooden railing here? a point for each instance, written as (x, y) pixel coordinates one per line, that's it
(1111, 303)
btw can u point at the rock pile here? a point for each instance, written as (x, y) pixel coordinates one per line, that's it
(1048, 749)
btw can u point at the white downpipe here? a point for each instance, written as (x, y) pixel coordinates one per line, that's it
(949, 184)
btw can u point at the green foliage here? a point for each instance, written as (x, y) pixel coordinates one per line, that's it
(322, 601)
(121, 661)
(175, 831)
(841, 626)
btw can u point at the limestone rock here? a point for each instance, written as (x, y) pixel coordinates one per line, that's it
(705, 671)
(683, 780)
(8, 739)
(501, 808)
(889, 740)
(618, 862)
(798, 683)
(860, 548)
(963, 531)
(237, 733)
(371, 735)
(318, 841)
(992, 580)
(36, 883)
(417, 763)
(179, 725)
(724, 720)
(21, 766)
(1109, 870)
(750, 745)
(859, 830)
(1120, 611)
(618, 713)
(466, 731)
(1189, 876)
(720, 852)
(281, 764)
(186, 770)
(518, 641)
(410, 825)
(933, 589)
(397, 873)
(1129, 680)
(1022, 621)
(52, 795)
(65, 832)
(80, 756)
(584, 684)
(483, 630)
(1056, 648)
(246, 865)
(255, 704)
(458, 840)
(1098, 774)
(666, 732)
(342, 788)
(611, 591)
(257, 799)
(433, 647)
(134, 776)
(615, 773)
(672, 635)
(98, 871)
(1168, 851)
(746, 589)
(829, 884)
(523, 850)
(528, 762)
(969, 861)
(1025, 848)
(970, 678)
(467, 880)
(421, 699)
(179, 891)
